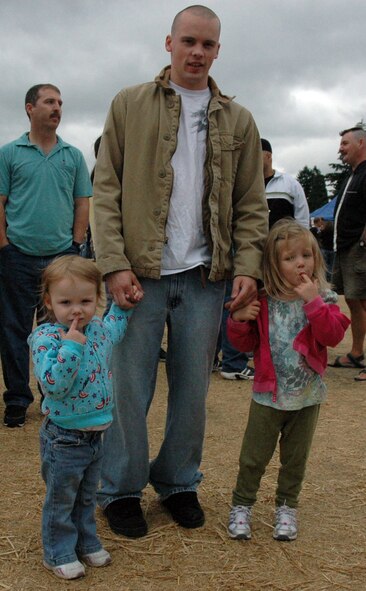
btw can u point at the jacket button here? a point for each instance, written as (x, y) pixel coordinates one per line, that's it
(166, 136)
(162, 174)
(157, 211)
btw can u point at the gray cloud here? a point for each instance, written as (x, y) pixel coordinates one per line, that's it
(297, 65)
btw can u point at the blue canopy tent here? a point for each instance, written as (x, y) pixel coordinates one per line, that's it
(325, 211)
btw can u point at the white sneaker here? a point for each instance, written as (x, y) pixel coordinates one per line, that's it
(239, 523)
(285, 529)
(246, 374)
(71, 570)
(100, 558)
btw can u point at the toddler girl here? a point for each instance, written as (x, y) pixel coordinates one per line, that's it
(288, 328)
(71, 363)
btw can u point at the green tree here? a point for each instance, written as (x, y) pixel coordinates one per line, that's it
(336, 178)
(305, 178)
(313, 183)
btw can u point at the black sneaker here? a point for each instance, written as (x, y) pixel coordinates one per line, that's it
(14, 415)
(125, 517)
(185, 509)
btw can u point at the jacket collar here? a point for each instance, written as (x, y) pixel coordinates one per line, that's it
(162, 80)
(360, 167)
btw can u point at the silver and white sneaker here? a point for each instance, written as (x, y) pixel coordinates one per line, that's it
(70, 570)
(100, 558)
(285, 529)
(239, 523)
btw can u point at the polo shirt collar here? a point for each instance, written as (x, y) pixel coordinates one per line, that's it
(24, 141)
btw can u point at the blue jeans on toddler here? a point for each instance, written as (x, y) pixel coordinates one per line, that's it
(71, 463)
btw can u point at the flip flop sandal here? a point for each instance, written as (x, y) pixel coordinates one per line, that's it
(353, 361)
(358, 379)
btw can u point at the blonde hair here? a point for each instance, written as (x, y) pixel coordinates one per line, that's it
(72, 266)
(283, 230)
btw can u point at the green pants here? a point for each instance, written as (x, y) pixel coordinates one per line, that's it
(265, 425)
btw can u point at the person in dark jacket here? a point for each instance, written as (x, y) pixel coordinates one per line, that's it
(349, 273)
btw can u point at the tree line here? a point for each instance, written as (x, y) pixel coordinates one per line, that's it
(318, 187)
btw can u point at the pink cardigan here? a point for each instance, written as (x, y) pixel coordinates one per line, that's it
(326, 327)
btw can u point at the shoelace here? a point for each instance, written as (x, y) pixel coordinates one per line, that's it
(286, 515)
(240, 509)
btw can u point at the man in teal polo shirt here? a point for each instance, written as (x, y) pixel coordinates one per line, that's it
(44, 212)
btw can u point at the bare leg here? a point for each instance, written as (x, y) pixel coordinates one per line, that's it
(358, 328)
(358, 325)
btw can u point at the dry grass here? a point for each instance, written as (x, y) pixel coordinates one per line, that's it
(329, 555)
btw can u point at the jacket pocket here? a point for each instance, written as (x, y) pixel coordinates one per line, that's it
(231, 147)
(229, 142)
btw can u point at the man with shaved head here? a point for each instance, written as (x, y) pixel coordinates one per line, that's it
(178, 188)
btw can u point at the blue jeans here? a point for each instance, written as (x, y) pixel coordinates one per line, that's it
(232, 359)
(191, 307)
(20, 276)
(71, 462)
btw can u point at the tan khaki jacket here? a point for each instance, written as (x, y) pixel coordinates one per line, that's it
(134, 179)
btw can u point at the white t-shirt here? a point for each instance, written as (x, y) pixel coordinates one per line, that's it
(186, 246)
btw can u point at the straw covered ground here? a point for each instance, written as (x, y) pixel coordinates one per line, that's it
(329, 555)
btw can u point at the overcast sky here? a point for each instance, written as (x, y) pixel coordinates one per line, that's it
(298, 65)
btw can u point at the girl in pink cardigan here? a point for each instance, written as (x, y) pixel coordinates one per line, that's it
(288, 328)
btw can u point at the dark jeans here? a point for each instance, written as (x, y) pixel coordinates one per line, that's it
(232, 359)
(328, 256)
(20, 276)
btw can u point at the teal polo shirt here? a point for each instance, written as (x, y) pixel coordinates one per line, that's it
(41, 190)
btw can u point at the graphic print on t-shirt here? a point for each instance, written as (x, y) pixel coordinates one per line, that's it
(200, 118)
